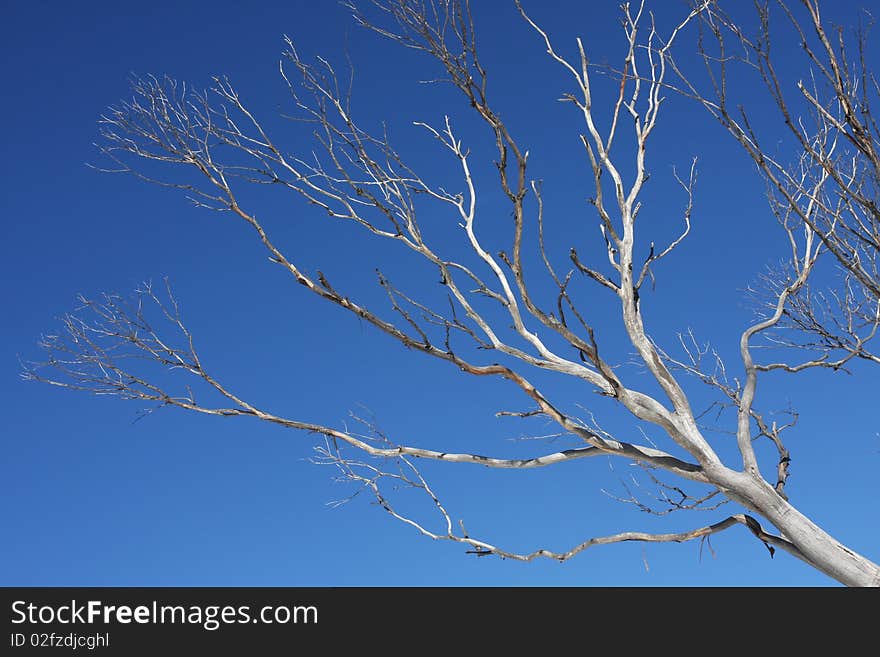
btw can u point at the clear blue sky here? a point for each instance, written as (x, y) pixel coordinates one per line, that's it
(90, 497)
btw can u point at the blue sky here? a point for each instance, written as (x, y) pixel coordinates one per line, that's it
(93, 497)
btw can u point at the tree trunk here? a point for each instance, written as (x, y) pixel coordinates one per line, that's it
(811, 543)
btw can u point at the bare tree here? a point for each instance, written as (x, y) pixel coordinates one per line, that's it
(495, 320)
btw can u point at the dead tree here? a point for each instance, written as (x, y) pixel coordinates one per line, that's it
(493, 324)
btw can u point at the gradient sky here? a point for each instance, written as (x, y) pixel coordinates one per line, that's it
(93, 497)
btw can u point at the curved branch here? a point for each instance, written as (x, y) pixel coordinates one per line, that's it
(483, 548)
(94, 357)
